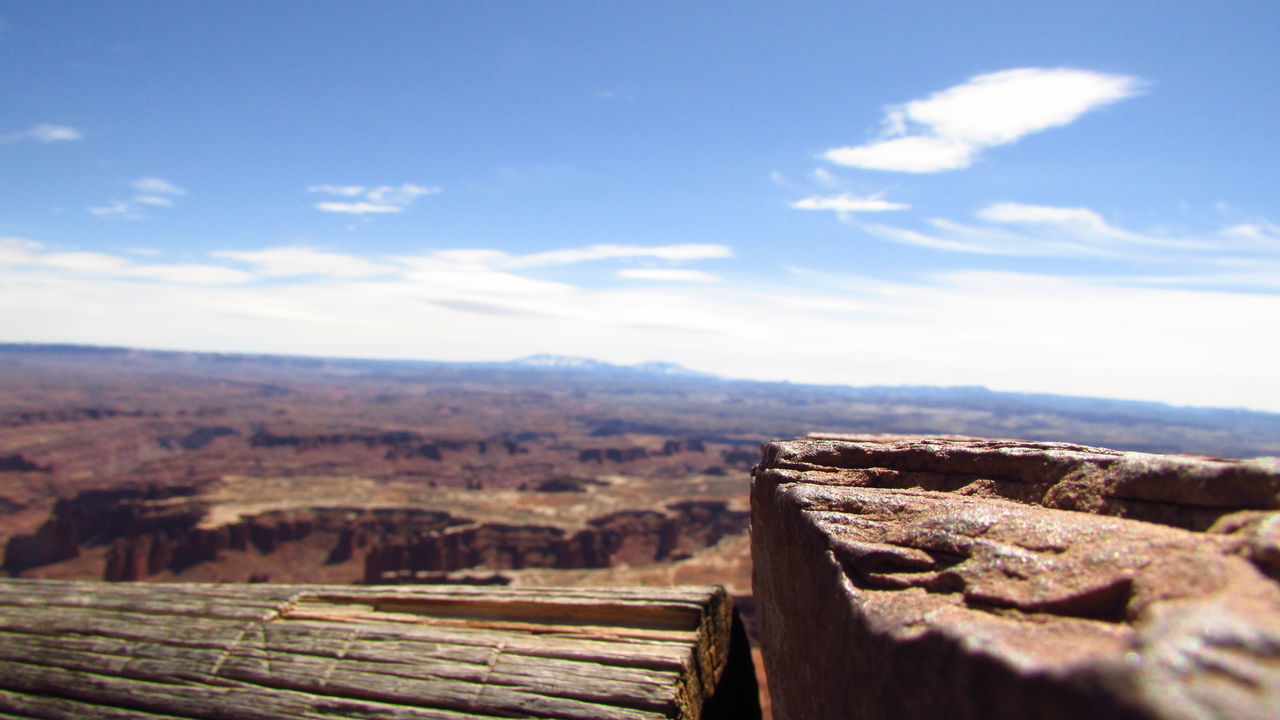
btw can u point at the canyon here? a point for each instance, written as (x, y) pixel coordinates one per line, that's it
(124, 464)
(133, 465)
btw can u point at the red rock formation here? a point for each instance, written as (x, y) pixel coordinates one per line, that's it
(41, 417)
(152, 530)
(633, 537)
(896, 578)
(98, 517)
(19, 463)
(1186, 492)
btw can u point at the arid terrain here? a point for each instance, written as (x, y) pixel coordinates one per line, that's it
(121, 464)
(137, 465)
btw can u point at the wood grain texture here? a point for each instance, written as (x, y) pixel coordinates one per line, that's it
(95, 650)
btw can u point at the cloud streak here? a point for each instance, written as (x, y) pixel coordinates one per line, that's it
(281, 262)
(1018, 229)
(617, 252)
(848, 203)
(43, 134)
(949, 129)
(668, 275)
(153, 191)
(381, 199)
(20, 256)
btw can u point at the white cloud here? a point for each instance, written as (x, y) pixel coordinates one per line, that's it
(1235, 274)
(357, 208)
(14, 250)
(382, 199)
(1044, 231)
(948, 129)
(917, 154)
(17, 252)
(294, 261)
(114, 208)
(472, 256)
(44, 134)
(343, 190)
(402, 195)
(472, 303)
(668, 275)
(1003, 107)
(153, 191)
(824, 176)
(467, 271)
(1082, 224)
(1261, 235)
(85, 262)
(995, 243)
(155, 186)
(190, 274)
(815, 326)
(1009, 212)
(456, 277)
(616, 252)
(848, 203)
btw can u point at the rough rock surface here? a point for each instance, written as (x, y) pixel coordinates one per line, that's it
(921, 578)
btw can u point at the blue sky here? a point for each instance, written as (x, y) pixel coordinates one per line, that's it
(1038, 197)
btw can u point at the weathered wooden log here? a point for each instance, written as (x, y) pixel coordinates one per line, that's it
(123, 650)
(916, 578)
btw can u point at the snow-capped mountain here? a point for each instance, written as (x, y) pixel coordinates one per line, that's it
(569, 362)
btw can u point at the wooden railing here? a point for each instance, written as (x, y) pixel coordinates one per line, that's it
(125, 650)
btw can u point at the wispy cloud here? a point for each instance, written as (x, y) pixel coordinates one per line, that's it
(153, 191)
(189, 274)
(357, 208)
(32, 255)
(154, 200)
(949, 129)
(43, 134)
(156, 191)
(115, 208)
(381, 199)
(617, 252)
(157, 186)
(668, 275)
(849, 329)
(1236, 257)
(1265, 235)
(343, 190)
(614, 94)
(474, 267)
(848, 203)
(295, 261)
(825, 178)
(1082, 224)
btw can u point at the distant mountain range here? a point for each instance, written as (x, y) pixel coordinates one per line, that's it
(570, 362)
(768, 408)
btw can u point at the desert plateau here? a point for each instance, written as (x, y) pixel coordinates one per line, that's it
(122, 464)
(135, 465)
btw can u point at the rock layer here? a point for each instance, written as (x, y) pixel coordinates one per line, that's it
(922, 578)
(151, 530)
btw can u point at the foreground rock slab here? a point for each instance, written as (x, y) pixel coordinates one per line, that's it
(105, 650)
(923, 578)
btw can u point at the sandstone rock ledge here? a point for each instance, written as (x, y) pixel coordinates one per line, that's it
(901, 577)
